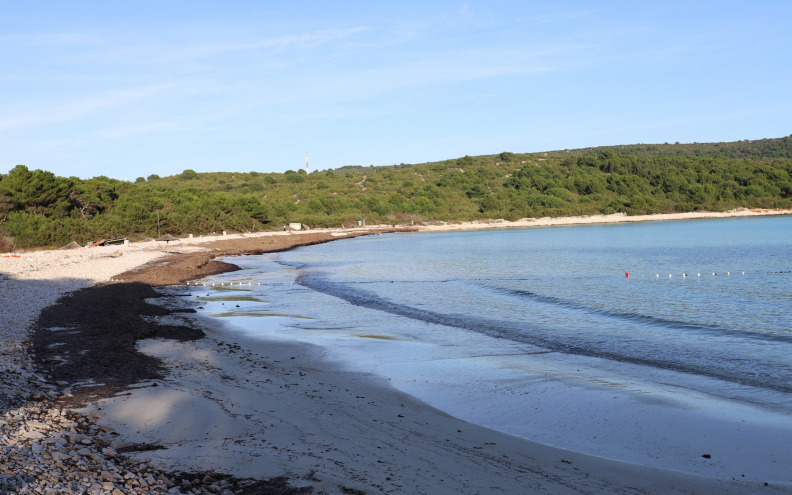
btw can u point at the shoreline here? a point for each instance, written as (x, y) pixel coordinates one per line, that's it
(455, 457)
(597, 220)
(277, 408)
(44, 443)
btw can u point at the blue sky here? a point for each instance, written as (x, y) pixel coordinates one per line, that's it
(128, 89)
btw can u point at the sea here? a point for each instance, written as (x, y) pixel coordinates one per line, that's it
(661, 343)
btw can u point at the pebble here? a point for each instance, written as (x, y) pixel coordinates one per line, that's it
(47, 449)
(38, 460)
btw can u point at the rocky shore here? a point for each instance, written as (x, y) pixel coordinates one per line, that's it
(49, 449)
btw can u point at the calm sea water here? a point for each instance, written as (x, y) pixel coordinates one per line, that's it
(489, 324)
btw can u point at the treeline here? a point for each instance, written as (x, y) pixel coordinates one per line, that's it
(759, 148)
(38, 208)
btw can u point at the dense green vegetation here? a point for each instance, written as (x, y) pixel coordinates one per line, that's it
(761, 148)
(39, 209)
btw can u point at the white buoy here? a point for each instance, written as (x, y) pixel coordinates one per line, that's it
(698, 274)
(728, 273)
(657, 275)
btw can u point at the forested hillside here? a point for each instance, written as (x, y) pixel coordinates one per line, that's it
(761, 148)
(39, 209)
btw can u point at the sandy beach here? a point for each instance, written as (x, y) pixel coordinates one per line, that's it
(175, 394)
(598, 219)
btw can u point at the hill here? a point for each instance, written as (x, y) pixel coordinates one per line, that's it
(39, 209)
(761, 148)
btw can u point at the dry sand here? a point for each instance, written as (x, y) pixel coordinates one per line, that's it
(265, 409)
(597, 219)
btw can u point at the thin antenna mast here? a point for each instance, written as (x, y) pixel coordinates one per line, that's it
(306, 163)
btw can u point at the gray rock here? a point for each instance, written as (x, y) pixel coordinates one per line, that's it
(33, 435)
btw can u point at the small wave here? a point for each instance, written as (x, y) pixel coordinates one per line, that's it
(639, 318)
(675, 359)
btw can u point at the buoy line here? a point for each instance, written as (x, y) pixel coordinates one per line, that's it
(698, 274)
(223, 284)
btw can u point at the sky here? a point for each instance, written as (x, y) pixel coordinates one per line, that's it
(130, 89)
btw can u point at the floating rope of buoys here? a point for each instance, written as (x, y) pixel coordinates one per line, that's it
(698, 274)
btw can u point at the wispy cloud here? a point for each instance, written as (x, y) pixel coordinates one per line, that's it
(194, 50)
(82, 83)
(125, 132)
(21, 117)
(58, 39)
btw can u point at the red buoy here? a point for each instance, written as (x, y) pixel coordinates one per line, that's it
(627, 274)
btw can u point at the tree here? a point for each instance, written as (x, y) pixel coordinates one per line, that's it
(506, 157)
(189, 174)
(465, 161)
(36, 191)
